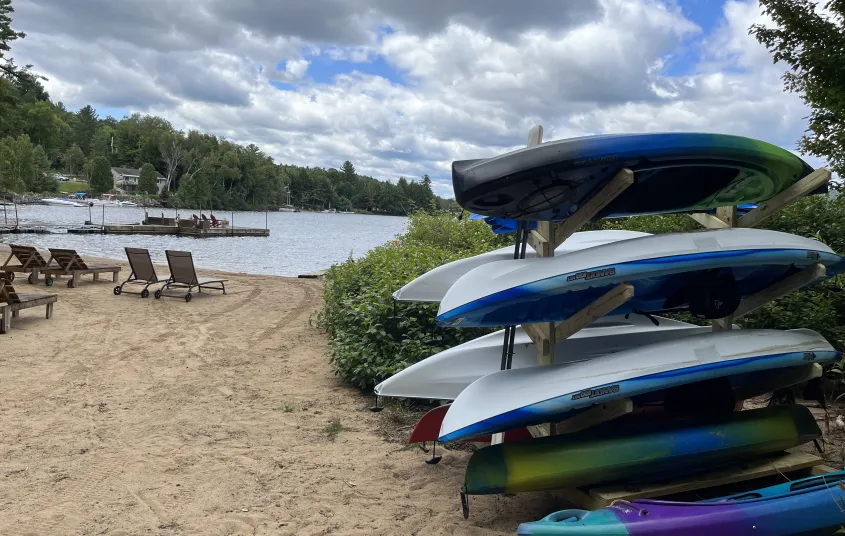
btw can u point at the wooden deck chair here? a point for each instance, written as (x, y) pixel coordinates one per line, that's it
(143, 273)
(184, 275)
(29, 259)
(70, 263)
(11, 303)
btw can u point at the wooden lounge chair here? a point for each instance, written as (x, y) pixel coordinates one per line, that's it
(11, 303)
(143, 273)
(30, 261)
(184, 275)
(70, 263)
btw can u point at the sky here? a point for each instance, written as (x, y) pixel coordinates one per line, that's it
(403, 87)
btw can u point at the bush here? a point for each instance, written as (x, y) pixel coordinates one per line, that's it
(367, 344)
(368, 341)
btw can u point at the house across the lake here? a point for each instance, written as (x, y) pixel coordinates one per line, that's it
(126, 179)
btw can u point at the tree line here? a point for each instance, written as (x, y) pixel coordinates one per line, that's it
(39, 137)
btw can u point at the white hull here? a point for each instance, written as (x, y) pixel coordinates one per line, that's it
(540, 392)
(444, 375)
(433, 285)
(62, 203)
(542, 273)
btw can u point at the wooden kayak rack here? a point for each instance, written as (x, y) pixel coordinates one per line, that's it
(549, 235)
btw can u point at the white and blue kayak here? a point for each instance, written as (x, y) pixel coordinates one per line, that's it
(433, 285)
(510, 399)
(706, 272)
(444, 375)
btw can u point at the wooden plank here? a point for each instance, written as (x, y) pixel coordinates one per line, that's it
(599, 308)
(780, 289)
(596, 415)
(708, 220)
(33, 300)
(534, 331)
(761, 467)
(785, 198)
(585, 213)
(535, 136)
(727, 215)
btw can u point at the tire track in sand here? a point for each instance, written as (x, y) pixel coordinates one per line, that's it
(302, 308)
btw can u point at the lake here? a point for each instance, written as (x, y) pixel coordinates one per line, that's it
(299, 242)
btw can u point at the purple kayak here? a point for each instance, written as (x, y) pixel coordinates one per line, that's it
(814, 506)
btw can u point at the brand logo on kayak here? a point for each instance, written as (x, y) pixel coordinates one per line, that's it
(813, 255)
(592, 275)
(597, 160)
(593, 393)
(809, 356)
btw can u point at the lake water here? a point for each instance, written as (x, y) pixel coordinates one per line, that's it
(299, 242)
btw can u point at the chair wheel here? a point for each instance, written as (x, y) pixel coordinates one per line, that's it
(11, 276)
(48, 281)
(188, 297)
(157, 294)
(70, 283)
(117, 290)
(145, 293)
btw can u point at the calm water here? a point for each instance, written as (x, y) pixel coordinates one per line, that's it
(299, 242)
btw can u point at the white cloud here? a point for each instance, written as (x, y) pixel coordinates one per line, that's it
(478, 75)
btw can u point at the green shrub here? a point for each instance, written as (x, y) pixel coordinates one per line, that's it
(369, 341)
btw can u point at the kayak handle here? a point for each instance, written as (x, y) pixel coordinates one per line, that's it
(570, 516)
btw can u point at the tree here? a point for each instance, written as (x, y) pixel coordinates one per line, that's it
(173, 153)
(86, 123)
(101, 178)
(101, 143)
(813, 45)
(7, 35)
(348, 171)
(73, 159)
(23, 166)
(147, 181)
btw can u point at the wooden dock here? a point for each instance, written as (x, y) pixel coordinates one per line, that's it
(173, 230)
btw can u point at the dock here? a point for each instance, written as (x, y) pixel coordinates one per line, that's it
(197, 232)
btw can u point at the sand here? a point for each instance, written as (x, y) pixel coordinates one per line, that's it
(123, 415)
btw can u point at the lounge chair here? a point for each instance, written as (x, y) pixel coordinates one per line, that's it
(184, 275)
(143, 273)
(30, 261)
(70, 263)
(11, 303)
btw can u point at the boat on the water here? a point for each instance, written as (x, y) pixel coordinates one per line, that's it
(433, 285)
(537, 395)
(673, 172)
(705, 272)
(636, 453)
(62, 202)
(813, 506)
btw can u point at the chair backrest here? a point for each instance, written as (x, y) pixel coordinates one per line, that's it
(28, 256)
(7, 291)
(181, 265)
(141, 264)
(68, 259)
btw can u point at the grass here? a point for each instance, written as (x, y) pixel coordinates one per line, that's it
(73, 187)
(334, 428)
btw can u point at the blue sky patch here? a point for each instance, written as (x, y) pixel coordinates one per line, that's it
(708, 15)
(324, 69)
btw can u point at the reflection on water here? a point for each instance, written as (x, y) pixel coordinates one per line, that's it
(299, 242)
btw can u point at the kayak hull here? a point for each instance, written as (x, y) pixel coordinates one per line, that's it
(641, 452)
(547, 394)
(671, 271)
(673, 172)
(808, 507)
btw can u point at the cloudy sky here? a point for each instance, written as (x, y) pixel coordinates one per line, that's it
(404, 87)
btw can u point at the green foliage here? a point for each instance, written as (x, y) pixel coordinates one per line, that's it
(101, 180)
(24, 166)
(147, 180)
(368, 344)
(812, 43)
(73, 159)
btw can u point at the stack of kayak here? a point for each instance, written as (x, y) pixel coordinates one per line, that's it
(683, 383)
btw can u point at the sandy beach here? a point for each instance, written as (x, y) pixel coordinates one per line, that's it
(123, 415)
